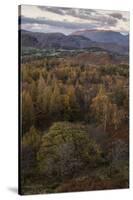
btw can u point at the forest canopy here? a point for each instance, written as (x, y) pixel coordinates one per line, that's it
(74, 125)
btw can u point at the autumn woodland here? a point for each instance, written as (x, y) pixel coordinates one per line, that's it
(74, 113)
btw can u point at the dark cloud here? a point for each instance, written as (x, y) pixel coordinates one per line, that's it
(75, 12)
(87, 14)
(82, 14)
(52, 9)
(63, 24)
(93, 20)
(109, 21)
(86, 19)
(118, 16)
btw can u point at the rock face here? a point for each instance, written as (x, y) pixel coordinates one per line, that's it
(110, 41)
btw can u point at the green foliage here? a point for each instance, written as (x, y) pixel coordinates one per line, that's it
(120, 93)
(66, 149)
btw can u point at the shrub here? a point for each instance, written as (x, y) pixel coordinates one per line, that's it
(67, 149)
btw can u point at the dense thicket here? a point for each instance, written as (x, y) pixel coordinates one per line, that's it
(58, 90)
(74, 119)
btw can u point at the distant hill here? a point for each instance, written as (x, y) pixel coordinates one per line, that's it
(28, 40)
(73, 41)
(105, 36)
(54, 40)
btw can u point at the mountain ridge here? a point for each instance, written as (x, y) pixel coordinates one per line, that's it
(60, 40)
(106, 36)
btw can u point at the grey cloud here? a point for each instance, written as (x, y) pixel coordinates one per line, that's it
(46, 28)
(52, 9)
(118, 16)
(94, 20)
(109, 21)
(64, 24)
(87, 14)
(82, 13)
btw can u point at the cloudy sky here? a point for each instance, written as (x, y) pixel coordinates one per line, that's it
(68, 20)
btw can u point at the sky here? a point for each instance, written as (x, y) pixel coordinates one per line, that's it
(68, 20)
